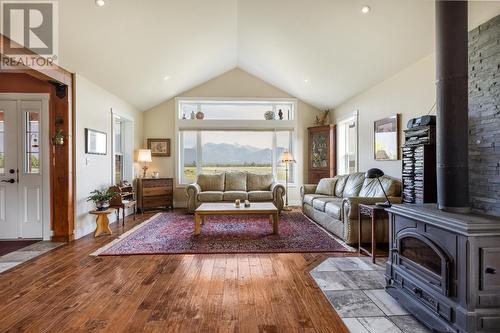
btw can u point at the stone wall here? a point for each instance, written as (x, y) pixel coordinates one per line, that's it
(484, 117)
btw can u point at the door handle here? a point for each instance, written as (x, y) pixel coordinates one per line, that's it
(12, 181)
(490, 270)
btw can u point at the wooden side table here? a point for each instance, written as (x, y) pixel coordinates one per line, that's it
(376, 214)
(102, 222)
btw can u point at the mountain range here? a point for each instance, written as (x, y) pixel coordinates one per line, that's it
(231, 154)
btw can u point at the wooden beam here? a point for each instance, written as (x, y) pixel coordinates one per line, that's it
(54, 72)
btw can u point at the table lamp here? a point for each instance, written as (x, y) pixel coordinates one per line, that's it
(377, 173)
(144, 157)
(287, 158)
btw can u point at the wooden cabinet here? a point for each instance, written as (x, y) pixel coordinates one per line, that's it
(322, 153)
(154, 193)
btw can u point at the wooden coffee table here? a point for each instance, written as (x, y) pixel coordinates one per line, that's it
(228, 208)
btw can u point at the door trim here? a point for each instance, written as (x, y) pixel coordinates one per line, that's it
(46, 146)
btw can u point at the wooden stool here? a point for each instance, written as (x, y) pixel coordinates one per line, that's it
(102, 222)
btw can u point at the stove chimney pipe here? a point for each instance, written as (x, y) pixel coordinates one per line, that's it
(452, 105)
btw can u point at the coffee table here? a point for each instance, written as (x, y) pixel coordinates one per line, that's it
(228, 208)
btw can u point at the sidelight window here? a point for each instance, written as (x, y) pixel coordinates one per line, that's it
(32, 143)
(2, 140)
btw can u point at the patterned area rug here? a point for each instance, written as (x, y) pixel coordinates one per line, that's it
(172, 233)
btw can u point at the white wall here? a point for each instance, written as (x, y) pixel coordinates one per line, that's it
(93, 110)
(159, 121)
(411, 92)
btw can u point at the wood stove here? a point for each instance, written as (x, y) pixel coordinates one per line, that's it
(444, 265)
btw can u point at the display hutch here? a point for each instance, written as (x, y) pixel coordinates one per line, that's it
(322, 153)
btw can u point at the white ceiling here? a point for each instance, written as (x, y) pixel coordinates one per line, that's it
(129, 46)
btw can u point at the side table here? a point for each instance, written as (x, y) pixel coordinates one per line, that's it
(376, 214)
(102, 222)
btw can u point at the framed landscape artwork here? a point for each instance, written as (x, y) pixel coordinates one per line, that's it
(95, 142)
(159, 147)
(386, 141)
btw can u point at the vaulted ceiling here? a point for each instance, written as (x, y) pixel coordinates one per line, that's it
(321, 51)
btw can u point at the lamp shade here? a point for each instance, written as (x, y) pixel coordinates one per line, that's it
(287, 157)
(374, 173)
(144, 155)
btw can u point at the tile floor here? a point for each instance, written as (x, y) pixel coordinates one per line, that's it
(355, 288)
(29, 252)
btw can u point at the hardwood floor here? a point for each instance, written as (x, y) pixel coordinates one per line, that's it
(67, 290)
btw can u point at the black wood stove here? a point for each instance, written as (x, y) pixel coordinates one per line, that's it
(444, 265)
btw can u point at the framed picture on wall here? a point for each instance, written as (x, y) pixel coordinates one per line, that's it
(386, 139)
(159, 147)
(96, 142)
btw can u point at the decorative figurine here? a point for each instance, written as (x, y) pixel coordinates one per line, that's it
(269, 115)
(193, 115)
(280, 114)
(237, 203)
(324, 118)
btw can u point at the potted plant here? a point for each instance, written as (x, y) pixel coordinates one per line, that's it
(101, 198)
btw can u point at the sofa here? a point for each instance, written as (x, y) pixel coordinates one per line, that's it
(333, 204)
(231, 185)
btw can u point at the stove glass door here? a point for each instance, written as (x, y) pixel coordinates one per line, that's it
(422, 254)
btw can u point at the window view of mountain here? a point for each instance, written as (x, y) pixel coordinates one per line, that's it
(231, 154)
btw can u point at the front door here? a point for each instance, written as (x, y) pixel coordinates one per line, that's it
(21, 172)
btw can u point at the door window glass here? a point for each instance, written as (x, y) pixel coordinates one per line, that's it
(2, 138)
(32, 143)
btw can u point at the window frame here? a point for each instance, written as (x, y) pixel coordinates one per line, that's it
(127, 147)
(232, 125)
(345, 120)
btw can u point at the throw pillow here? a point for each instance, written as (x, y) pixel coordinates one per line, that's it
(326, 186)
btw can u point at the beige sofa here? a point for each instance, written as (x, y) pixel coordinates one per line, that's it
(229, 186)
(333, 204)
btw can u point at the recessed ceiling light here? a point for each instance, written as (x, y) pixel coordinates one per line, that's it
(100, 3)
(306, 81)
(365, 9)
(166, 78)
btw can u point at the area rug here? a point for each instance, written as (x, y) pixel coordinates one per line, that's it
(172, 233)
